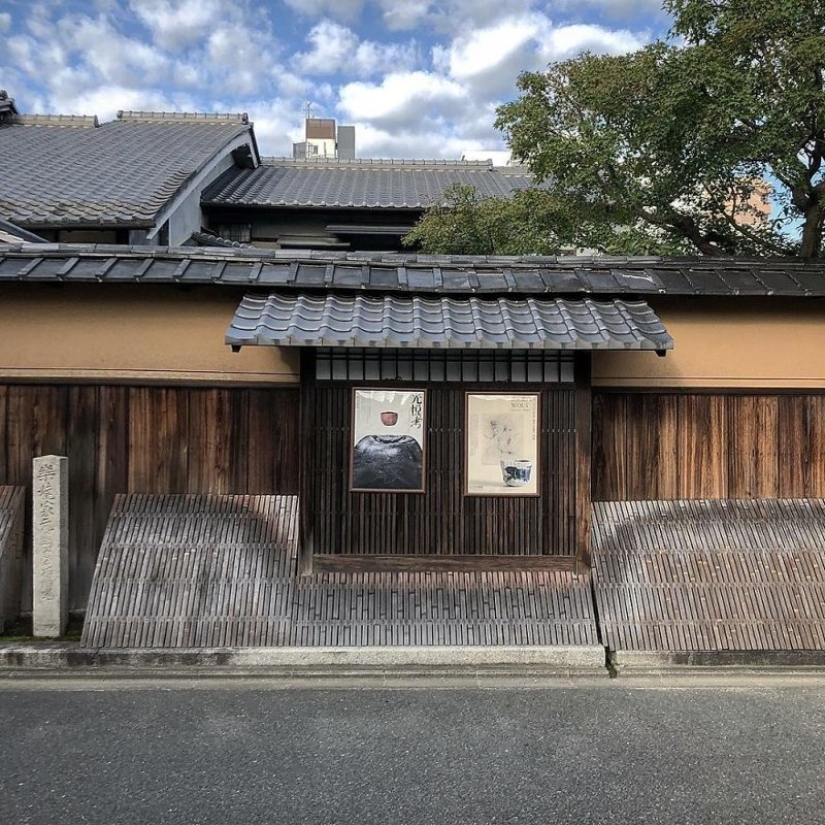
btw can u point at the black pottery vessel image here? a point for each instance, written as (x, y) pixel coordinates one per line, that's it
(387, 462)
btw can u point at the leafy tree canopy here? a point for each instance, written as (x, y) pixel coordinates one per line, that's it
(466, 224)
(662, 150)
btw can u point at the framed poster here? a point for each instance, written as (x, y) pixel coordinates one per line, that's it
(502, 449)
(388, 445)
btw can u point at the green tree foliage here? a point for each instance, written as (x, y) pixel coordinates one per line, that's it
(662, 150)
(682, 135)
(465, 224)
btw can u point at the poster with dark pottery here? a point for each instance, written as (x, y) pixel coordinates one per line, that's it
(388, 445)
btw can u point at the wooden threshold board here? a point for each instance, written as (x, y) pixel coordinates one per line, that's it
(394, 563)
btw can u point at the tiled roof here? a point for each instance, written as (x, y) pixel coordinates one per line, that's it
(58, 171)
(361, 184)
(446, 323)
(208, 239)
(413, 272)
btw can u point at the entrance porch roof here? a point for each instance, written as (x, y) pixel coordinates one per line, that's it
(415, 322)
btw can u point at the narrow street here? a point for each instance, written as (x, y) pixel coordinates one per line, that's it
(190, 753)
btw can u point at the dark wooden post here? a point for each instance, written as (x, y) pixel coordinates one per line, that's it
(306, 436)
(584, 426)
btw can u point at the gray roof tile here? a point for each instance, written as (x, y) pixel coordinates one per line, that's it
(446, 323)
(59, 172)
(398, 273)
(362, 184)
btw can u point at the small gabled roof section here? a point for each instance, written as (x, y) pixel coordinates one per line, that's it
(67, 171)
(446, 323)
(361, 184)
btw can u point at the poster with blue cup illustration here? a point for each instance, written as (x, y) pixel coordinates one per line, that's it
(388, 445)
(502, 444)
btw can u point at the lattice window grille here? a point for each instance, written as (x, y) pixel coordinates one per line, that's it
(459, 366)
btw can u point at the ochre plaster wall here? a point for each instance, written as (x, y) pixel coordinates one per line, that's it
(129, 333)
(732, 343)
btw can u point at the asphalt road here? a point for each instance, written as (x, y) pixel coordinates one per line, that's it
(249, 754)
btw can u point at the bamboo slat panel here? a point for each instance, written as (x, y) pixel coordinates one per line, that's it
(193, 571)
(221, 571)
(710, 575)
(11, 550)
(649, 446)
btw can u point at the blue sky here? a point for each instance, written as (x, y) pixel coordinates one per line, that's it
(418, 79)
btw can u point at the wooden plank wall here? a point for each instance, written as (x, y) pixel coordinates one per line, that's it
(441, 521)
(144, 440)
(650, 446)
(12, 507)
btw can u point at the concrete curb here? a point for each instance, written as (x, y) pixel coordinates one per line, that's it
(292, 660)
(640, 660)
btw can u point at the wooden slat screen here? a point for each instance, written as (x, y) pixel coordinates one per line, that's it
(649, 446)
(441, 521)
(145, 440)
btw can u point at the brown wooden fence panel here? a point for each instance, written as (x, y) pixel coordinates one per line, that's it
(702, 466)
(82, 430)
(802, 438)
(144, 440)
(111, 459)
(441, 521)
(650, 461)
(650, 446)
(159, 439)
(610, 446)
(753, 454)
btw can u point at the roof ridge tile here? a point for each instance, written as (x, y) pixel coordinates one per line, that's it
(186, 117)
(90, 121)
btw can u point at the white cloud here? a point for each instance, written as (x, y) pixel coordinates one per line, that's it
(337, 49)
(107, 101)
(400, 98)
(422, 143)
(404, 14)
(5, 21)
(332, 44)
(340, 9)
(118, 59)
(488, 49)
(568, 41)
(179, 24)
(457, 16)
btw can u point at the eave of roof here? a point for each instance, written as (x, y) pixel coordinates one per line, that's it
(437, 274)
(414, 322)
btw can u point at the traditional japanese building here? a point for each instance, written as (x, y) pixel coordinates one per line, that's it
(428, 412)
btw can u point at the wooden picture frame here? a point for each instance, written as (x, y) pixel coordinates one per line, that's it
(502, 455)
(388, 445)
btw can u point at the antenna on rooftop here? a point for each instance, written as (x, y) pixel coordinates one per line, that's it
(308, 110)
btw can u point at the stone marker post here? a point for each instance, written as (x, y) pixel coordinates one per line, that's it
(50, 518)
